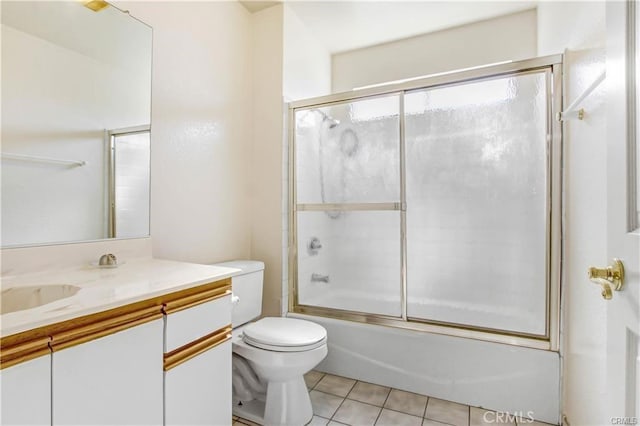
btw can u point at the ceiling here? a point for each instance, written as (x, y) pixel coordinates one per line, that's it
(342, 25)
(347, 24)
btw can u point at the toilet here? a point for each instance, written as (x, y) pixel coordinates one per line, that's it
(270, 355)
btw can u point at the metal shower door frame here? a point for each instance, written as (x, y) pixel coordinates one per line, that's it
(110, 141)
(552, 66)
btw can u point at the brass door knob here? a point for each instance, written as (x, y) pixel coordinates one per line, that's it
(610, 278)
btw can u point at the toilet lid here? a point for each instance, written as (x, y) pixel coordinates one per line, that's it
(284, 334)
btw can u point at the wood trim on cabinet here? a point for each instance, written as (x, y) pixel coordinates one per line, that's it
(191, 297)
(193, 349)
(15, 351)
(30, 344)
(121, 319)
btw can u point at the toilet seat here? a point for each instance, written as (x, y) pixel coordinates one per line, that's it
(284, 334)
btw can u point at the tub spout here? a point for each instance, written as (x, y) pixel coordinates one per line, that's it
(319, 278)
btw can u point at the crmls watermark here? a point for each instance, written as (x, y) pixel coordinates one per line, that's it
(624, 420)
(504, 417)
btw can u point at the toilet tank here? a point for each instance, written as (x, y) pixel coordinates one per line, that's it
(247, 287)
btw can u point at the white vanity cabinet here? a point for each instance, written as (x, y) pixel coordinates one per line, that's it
(161, 360)
(198, 363)
(26, 393)
(114, 380)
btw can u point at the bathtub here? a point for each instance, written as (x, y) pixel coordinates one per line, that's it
(522, 381)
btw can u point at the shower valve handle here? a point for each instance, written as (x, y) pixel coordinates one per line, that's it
(314, 246)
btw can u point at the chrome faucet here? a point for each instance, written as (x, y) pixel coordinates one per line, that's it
(319, 278)
(108, 260)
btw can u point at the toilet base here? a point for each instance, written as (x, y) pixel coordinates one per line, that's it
(296, 410)
(252, 410)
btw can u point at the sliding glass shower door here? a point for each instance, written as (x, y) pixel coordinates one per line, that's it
(433, 204)
(477, 210)
(348, 206)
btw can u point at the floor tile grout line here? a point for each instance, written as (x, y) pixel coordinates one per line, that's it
(424, 413)
(352, 388)
(396, 411)
(382, 408)
(335, 394)
(387, 397)
(344, 398)
(337, 409)
(332, 418)
(367, 383)
(342, 402)
(359, 402)
(378, 416)
(316, 383)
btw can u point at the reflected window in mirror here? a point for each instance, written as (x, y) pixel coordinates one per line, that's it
(70, 75)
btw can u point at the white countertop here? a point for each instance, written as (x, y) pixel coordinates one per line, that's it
(102, 289)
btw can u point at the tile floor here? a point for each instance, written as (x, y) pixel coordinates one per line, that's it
(341, 401)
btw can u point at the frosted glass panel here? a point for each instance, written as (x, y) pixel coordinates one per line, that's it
(349, 153)
(477, 203)
(132, 161)
(357, 267)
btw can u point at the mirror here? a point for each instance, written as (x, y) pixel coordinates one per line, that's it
(76, 94)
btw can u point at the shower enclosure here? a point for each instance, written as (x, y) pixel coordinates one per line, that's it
(432, 204)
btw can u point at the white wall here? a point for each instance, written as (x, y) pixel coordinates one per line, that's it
(288, 63)
(266, 152)
(306, 74)
(306, 62)
(580, 27)
(510, 37)
(201, 128)
(24, 260)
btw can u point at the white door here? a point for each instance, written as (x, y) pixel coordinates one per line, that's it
(623, 228)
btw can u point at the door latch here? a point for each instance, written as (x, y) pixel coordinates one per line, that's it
(610, 278)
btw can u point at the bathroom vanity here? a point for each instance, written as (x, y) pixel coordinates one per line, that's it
(147, 342)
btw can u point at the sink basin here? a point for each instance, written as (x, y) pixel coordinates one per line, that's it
(21, 298)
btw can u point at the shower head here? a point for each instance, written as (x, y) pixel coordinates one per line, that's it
(332, 122)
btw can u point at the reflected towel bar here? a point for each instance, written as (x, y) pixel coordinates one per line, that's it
(32, 158)
(571, 113)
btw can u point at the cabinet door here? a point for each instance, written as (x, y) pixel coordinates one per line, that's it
(113, 380)
(26, 393)
(198, 392)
